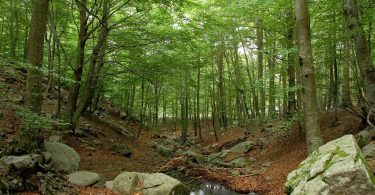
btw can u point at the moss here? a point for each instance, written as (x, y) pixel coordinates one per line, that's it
(369, 171)
(293, 182)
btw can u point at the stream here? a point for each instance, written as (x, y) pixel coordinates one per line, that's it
(202, 187)
(208, 188)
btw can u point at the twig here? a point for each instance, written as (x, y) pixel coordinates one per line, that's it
(369, 118)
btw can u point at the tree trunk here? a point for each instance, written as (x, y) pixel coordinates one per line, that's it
(96, 63)
(34, 87)
(259, 33)
(311, 115)
(35, 56)
(198, 100)
(346, 100)
(363, 54)
(80, 59)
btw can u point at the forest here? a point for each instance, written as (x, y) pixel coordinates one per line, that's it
(187, 97)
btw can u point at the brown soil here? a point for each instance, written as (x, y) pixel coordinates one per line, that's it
(281, 153)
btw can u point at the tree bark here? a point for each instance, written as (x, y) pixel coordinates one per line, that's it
(346, 100)
(35, 56)
(80, 59)
(259, 33)
(363, 54)
(96, 63)
(311, 115)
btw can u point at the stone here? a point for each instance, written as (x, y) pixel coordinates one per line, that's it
(164, 150)
(365, 136)
(266, 164)
(337, 167)
(235, 173)
(47, 157)
(64, 158)
(239, 162)
(369, 150)
(121, 149)
(84, 178)
(109, 184)
(4, 170)
(55, 138)
(151, 184)
(125, 183)
(19, 162)
(79, 133)
(242, 147)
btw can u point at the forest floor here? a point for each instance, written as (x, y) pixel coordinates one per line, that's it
(277, 155)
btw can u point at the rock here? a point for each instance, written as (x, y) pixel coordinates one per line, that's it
(242, 147)
(125, 183)
(121, 149)
(89, 148)
(79, 133)
(64, 158)
(365, 136)
(109, 184)
(47, 157)
(55, 138)
(266, 164)
(369, 150)
(84, 178)
(37, 158)
(19, 162)
(337, 167)
(4, 170)
(239, 162)
(164, 151)
(235, 173)
(123, 115)
(151, 184)
(97, 142)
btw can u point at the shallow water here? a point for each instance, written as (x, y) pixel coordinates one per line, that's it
(207, 188)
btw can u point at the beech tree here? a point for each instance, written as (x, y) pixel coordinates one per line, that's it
(363, 53)
(35, 55)
(310, 105)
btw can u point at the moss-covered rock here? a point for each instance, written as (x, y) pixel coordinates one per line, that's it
(337, 167)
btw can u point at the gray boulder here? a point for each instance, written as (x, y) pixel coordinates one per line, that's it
(164, 150)
(337, 167)
(109, 184)
(84, 178)
(365, 136)
(55, 138)
(150, 184)
(121, 149)
(64, 158)
(369, 150)
(19, 162)
(238, 162)
(242, 147)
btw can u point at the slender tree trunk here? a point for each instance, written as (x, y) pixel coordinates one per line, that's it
(35, 55)
(366, 66)
(346, 100)
(222, 107)
(96, 63)
(34, 80)
(311, 114)
(25, 49)
(80, 59)
(259, 33)
(142, 112)
(198, 100)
